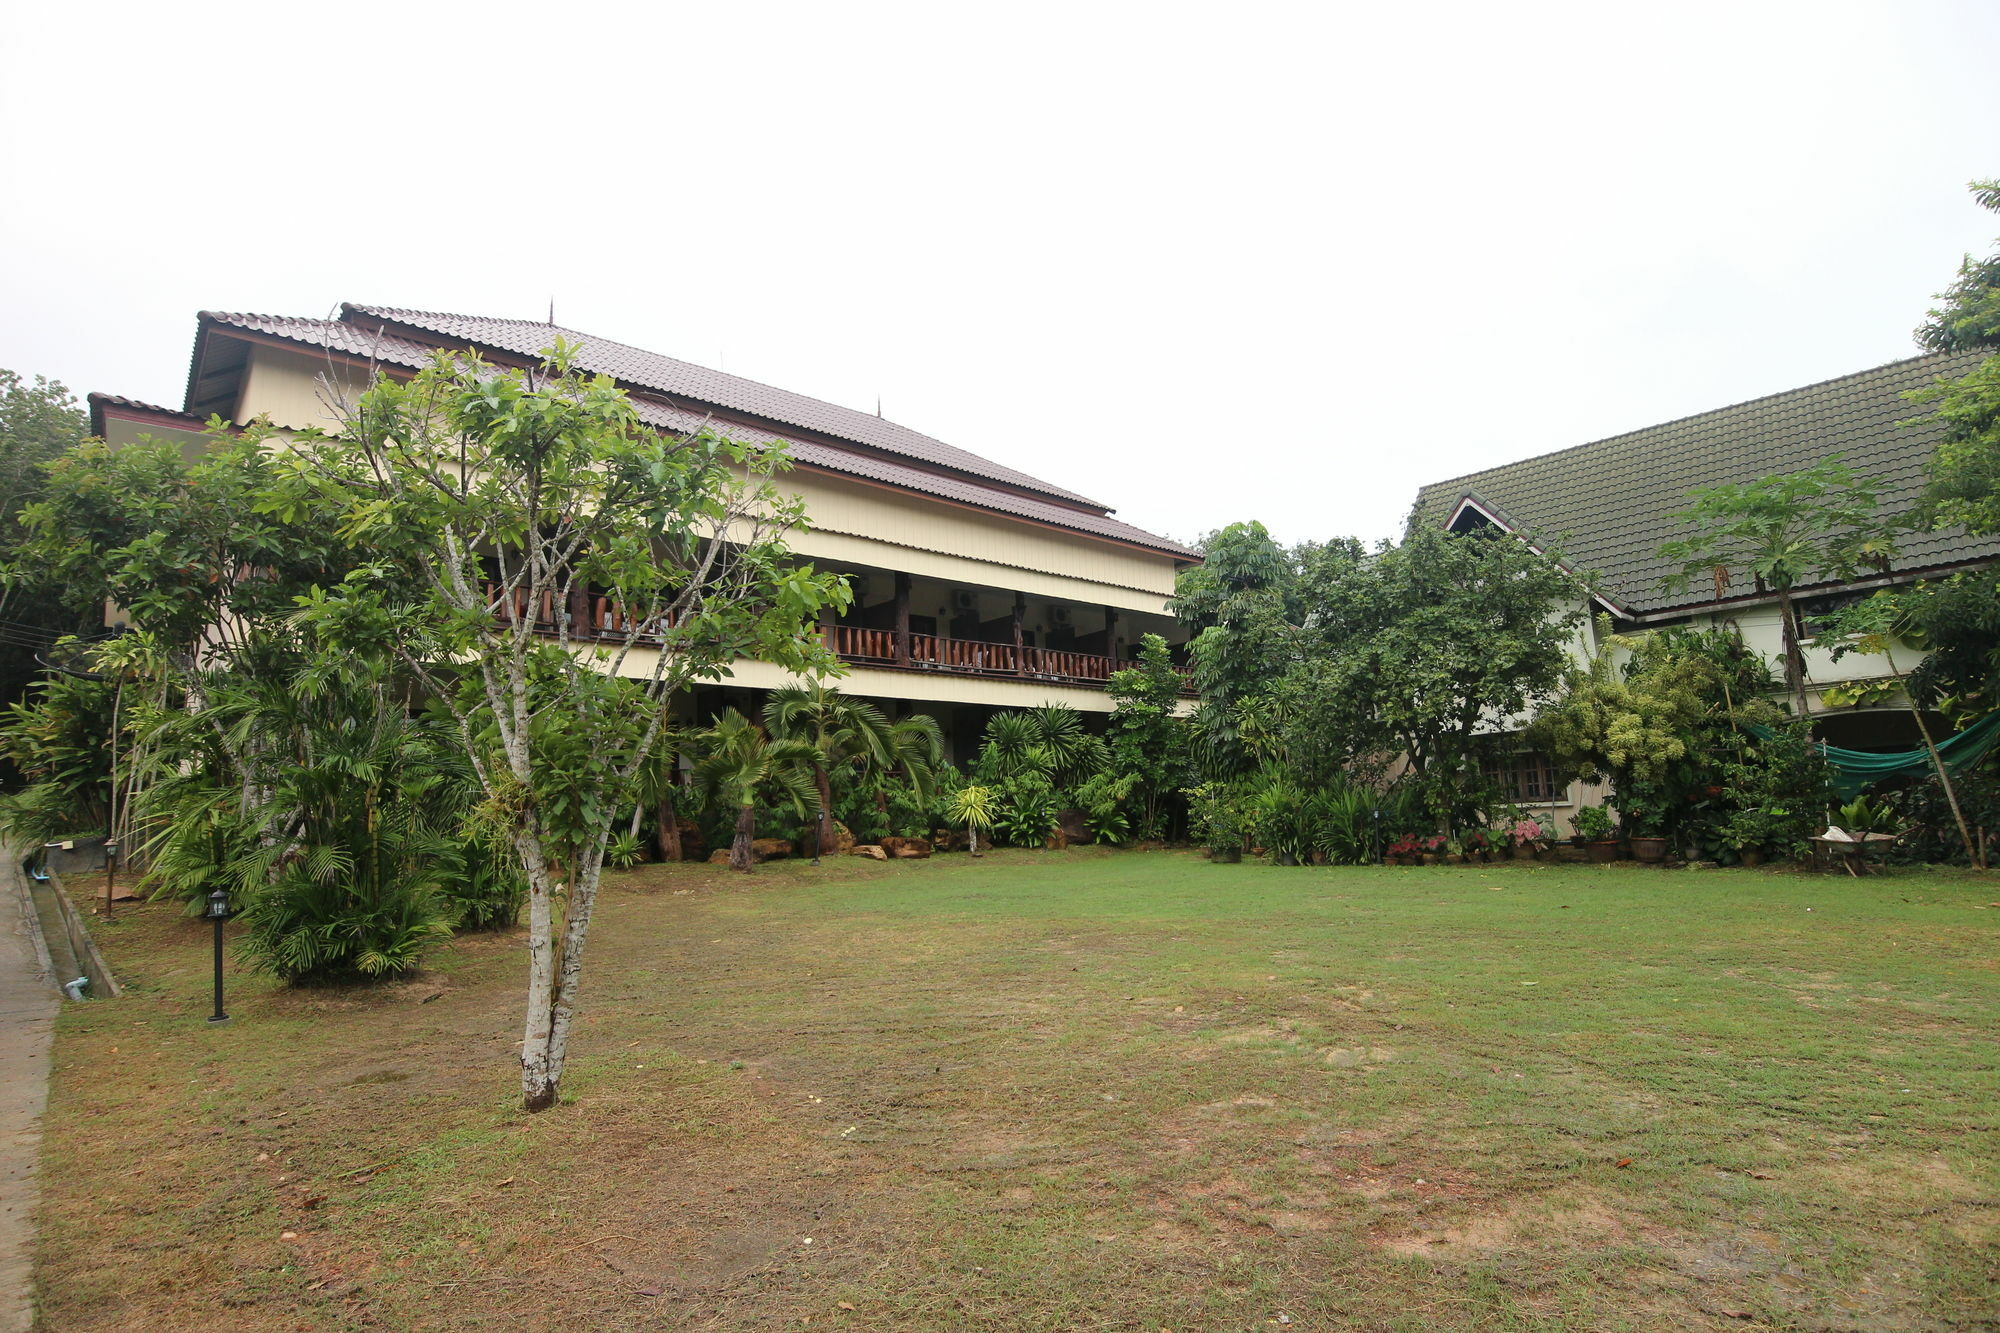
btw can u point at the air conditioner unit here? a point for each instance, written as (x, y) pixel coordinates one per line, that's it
(1059, 615)
(965, 600)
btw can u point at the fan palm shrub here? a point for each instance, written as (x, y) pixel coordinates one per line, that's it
(740, 764)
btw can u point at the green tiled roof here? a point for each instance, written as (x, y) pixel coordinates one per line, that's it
(1608, 504)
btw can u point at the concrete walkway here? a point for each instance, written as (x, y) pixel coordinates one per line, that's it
(28, 1003)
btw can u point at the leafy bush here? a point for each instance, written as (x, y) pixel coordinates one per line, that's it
(1781, 789)
(319, 917)
(1024, 809)
(1343, 825)
(1930, 835)
(1592, 823)
(1279, 815)
(486, 889)
(1215, 816)
(1105, 800)
(58, 741)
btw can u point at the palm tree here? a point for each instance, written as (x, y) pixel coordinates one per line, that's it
(842, 731)
(972, 806)
(740, 763)
(658, 782)
(916, 753)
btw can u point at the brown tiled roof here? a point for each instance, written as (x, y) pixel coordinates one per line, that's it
(376, 344)
(890, 473)
(1609, 504)
(119, 400)
(98, 402)
(681, 379)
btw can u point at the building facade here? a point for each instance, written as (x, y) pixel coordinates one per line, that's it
(1609, 505)
(976, 587)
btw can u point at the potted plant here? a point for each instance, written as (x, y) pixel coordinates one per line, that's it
(1525, 837)
(1593, 825)
(1747, 831)
(1642, 814)
(1433, 848)
(1225, 838)
(1404, 851)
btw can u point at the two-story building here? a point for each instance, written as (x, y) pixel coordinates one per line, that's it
(976, 587)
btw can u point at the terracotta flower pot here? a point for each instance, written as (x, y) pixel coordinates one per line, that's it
(1650, 850)
(1752, 857)
(1602, 853)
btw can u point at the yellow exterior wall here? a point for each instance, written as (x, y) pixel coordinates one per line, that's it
(292, 388)
(919, 527)
(851, 522)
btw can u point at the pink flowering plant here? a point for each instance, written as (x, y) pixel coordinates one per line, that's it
(1526, 831)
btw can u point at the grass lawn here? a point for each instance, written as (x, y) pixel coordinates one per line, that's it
(1081, 1090)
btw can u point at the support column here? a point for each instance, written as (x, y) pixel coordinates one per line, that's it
(1111, 637)
(1020, 651)
(902, 619)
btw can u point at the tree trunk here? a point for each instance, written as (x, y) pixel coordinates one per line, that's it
(668, 836)
(1795, 659)
(825, 846)
(539, 1082)
(569, 974)
(746, 830)
(1975, 851)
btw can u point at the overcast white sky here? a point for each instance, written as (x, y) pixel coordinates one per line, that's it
(1202, 262)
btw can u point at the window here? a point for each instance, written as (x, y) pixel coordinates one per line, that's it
(1814, 611)
(1525, 777)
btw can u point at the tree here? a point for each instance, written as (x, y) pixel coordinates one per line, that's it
(1414, 651)
(38, 421)
(1956, 622)
(1970, 315)
(1965, 472)
(1873, 626)
(1817, 524)
(1242, 610)
(1148, 738)
(206, 583)
(740, 765)
(552, 569)
(971, 807)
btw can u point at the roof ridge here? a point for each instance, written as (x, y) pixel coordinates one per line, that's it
(857, 459)
(1692, 416)
(1012, 476)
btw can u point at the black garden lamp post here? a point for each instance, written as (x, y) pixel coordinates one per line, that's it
(218, 912)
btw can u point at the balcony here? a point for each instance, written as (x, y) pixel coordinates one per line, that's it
(597, 617)
(972, 657)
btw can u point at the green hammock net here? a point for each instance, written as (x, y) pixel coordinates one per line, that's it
(1856, 770)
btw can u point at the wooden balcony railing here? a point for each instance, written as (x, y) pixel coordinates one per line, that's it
(972, 657)
(603, 618)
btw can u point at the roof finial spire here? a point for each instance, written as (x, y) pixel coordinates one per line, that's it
(878, 404)
(552, 312)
